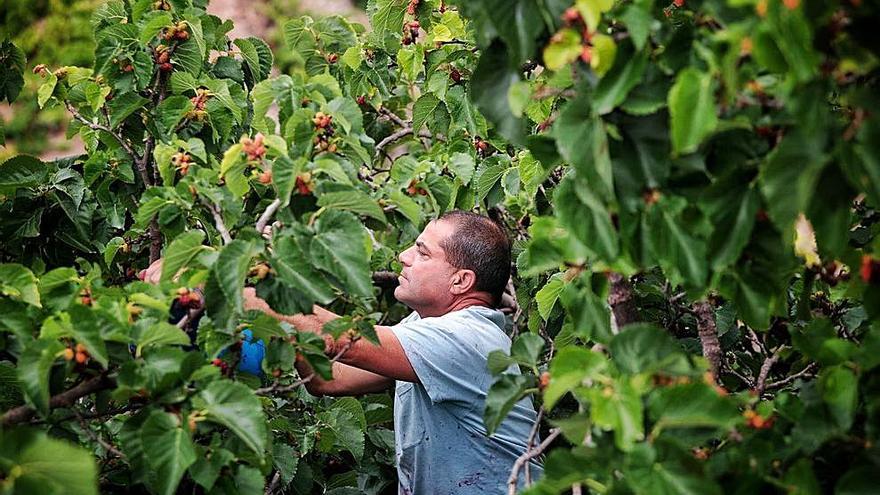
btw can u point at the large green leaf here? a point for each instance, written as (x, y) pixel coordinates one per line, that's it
(338, 249)
(580, 138)
(22, 171)
(840, 391)
(13, 60)
(231, 268)
(568, 370)
(294, 269)
(618, 407)
(692, 112)
(180, 252)
(33, 371)
(586, 218)
(625, 74)
(490, 85)
(502, 396)
(19, 283)
(45, 465)
(168, 449)
(86, 329)
(235, 406)
(682, 256)
(642, 348)
(692, 405)
(124, 105)
(352, 200)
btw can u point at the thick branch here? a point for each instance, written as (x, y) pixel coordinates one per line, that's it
(21, 414)
(622, 300)
(708, 332)
(267, 215)
(398, 135)
(526, 457)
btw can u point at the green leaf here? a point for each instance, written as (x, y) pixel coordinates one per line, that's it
(13, 60)
(411, 60)
(618, 407)
(124, 105)
(549, 294)
(681, 255)
(19, 283)
(168, 449)
(235, 406)
(580, 138)
(284, 172)
(232, 170)
(588, 220)
(637, 19)
(33, 371)
(181, 252)
(86, 330)
(46, 465)
(840, 391)
(294, 269)
(518, 23)
(161, 333)
(564, 48)
(693, 405)
(490, 84)
(692, 112)
(625, 74)
(22, 171)
(502, 396)
(643, 348)
(153, 27)
(170, 112)
(603, 54)
(568, 370)
(527, 349)
(231, 268)
(423, 109)
(46, 89)
(386, 15)
(352, 200)
(338, 248)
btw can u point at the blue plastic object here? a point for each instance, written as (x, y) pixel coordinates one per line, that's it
(251, 354)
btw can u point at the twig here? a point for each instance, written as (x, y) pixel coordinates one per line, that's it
(785, 381)
(748, 381)
(155, 239)
(218, 222)
(21, 414)
(401, 134)
(100, 127)
(765, 369)
(267, 215)
(274, 484)
(96, 438)
(531, 442)
(531, 454)
(190, 316)
(393, 117)
(275, 387)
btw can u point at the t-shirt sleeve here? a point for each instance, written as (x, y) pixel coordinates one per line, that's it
(449, 367)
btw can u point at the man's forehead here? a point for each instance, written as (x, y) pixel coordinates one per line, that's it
(434, 234)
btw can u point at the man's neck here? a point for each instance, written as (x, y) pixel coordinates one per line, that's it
(457, 305)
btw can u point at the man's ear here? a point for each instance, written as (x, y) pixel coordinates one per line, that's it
(463, 281)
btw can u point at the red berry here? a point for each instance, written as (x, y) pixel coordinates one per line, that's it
(678, 3)
(166, 67)
(218, 362)
(361, 100)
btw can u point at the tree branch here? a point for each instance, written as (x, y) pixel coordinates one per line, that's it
(276, 387)
(218, 222)
(96, 438)
(529, 455)
(100, 127)
(386, 280)
(708, 332)
(765, 369)
(531, 441)
(267, 215)
(21, 414)
(398, 135)
(273, 485)
(622, 301)
(785, 381)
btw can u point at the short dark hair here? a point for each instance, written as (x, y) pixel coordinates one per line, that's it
(481, 245)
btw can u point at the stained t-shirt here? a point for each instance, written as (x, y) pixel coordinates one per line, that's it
(440, 440)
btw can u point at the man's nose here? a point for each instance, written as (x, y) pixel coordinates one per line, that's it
(404, 256)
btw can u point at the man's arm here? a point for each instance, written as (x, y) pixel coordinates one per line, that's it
(363, 366)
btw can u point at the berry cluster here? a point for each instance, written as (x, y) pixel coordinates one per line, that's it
(199, 101)
(416, 188)
(482, 146)
(304, 184)
(572, 18)
(324, 129)
(253, 147)
(260, 271)
(188, 299)
(181, 162)
(756, 421)
(410, 32)
(162, 56)
(78, 353)
(411, 8)
(176, 32)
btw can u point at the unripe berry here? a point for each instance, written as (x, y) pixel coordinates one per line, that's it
(266, 177)
(68, 354)
(81, 357)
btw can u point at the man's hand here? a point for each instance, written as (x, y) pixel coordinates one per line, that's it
(153, 273)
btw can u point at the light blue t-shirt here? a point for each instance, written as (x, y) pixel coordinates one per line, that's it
(440, 440)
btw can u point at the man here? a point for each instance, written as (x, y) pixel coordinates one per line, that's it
(452, 278)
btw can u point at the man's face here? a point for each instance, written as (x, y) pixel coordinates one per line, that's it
(426, 277)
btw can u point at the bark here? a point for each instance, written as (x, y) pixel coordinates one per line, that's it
(67, 398)
(622, 301)
(705, 313)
